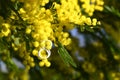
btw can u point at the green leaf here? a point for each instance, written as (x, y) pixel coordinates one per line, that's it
(112, 10)
(65, 55)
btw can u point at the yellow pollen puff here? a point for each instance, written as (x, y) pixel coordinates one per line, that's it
(36, 44)
(27, 57)
(65, 35)
(35, 52)
(22, 11)
(90, 13)
(48, 43)
(48, 47)
(6, 33)
(15, 48)
(42, 9)
(31, 59)
(32, 64)
(101, 75)
(12, 17)
(88, 21)
(43, 2)
(69, 41)
(48, 12)
(27, 6)
(83, 18)
(42, 44)
(27, 67)
(44, 62)
(113, 74)
(99, 23)
(116, 57)
(13, 45)
(6, 25)
(28, 30)
(94, 21)
(47, 64)
(35, 36)
(43, 54)
(41, 64)
(100, 8)
(56, 6)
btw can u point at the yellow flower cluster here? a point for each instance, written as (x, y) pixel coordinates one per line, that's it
(89, 67)
(90, 6)
(5, 29)
(23, 75)
(40, 28)
(46, 26)
(114, 75)
(70, 12)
